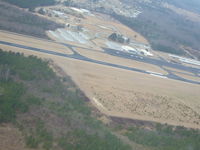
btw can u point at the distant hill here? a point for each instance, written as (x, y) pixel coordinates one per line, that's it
(166, 28)
(191, 5)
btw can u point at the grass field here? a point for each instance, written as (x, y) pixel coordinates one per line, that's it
(34, 42)
(131, 95)
(185, 76)
(165, 137)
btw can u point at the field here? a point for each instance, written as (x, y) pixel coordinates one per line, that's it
(132, 95)
(123, 93)
(34, 42)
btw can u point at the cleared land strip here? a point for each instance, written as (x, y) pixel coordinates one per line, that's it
(103, 81)
(83, 58)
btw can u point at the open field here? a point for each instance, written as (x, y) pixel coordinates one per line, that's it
(189, 77)
(128, 94)
(113, 25)
(29, 41)
(133, 95)
(177, 70)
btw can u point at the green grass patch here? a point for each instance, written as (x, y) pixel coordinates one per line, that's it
(80, 140)
(166, 137)
(10, 100)
(39, 136)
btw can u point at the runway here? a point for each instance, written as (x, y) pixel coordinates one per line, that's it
(134, 57)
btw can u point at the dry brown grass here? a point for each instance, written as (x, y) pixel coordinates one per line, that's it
(188, 77)
(11, 138)
(129, 94)
(120, 27)
(139, 96)
(33, 42)
(177, 70)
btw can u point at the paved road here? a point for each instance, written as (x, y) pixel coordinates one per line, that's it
(77, 56)
(157, 62)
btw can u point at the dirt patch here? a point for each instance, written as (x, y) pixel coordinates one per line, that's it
(11, 138)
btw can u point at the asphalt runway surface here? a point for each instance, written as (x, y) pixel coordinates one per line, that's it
(157, 62)
(161, 63)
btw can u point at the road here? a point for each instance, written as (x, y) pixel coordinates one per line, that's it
(157, 62)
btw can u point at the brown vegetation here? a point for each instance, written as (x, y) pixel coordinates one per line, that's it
(131, 95)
